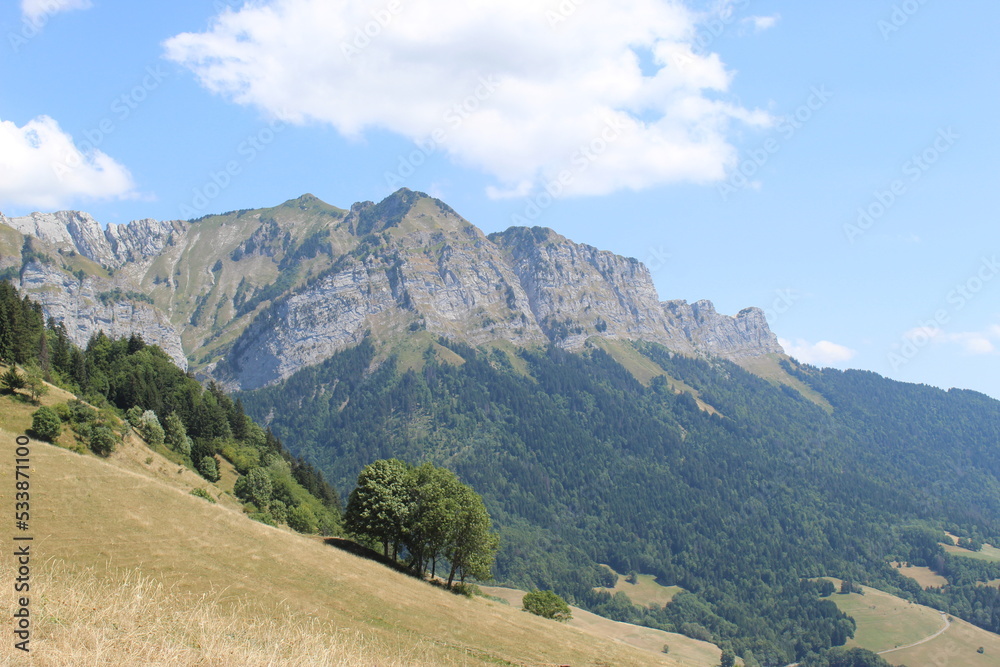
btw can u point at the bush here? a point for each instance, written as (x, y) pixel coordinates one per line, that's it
(547, 605)
(150, 429)
(208, 467)
(45, 424)
(202, 493)
(11, 381)
(302, 519)
(102, 440)
(255, 487)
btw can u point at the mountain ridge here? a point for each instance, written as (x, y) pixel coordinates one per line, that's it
(249, 297)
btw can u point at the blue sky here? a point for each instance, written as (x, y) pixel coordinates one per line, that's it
(832, 163)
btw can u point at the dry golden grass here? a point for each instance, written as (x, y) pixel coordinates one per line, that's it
(684, 651)
(926, 577)
(227, 590)
(127, 618)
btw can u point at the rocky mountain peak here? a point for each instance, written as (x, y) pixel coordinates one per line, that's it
(256, 295)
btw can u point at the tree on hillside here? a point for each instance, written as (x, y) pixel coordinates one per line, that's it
(428, 512)
(378, 507)
(472, 546)
(45, 424)
(12, 381)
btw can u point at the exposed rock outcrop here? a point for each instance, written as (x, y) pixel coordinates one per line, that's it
(291, 285)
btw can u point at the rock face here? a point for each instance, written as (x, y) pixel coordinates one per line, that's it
(78, 305)
(257, 295)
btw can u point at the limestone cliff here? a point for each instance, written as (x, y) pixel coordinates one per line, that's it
(249, 297)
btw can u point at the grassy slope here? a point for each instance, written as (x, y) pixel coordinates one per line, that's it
(115, 521)
(885, 621)
(683, 650)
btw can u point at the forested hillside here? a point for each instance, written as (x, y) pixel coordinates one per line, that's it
(189, 424)
(581, 464)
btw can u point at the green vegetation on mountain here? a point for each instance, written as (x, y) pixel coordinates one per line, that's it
(581, 464)
(172, 411)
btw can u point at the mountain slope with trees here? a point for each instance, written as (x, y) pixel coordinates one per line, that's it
(580, 464)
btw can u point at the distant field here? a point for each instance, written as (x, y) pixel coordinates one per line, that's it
(926, 577)
(683, 650)
(119, 523)
(645, 592)
(989, 552)
(885, 622)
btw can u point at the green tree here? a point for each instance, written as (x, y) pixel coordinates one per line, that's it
(35, 384)
(102, 440)
(378, 507)
(46, 425)
(175, 434)
(472, 546)
(435, 495)
(150, 428)
(255, 487)
(547, 604)
(209, 468)
(302, 519)
(12, 381)
(728, 658)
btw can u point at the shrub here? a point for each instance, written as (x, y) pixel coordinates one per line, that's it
(202, 493)
(547, 604)
(102, 440)
(208, 467)
(11, 381)
(255, 487)
(150, 429)
(81, 413)
(303, 520)
(45, 424)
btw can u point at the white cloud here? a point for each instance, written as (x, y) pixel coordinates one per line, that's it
(818, 354)
(972, 342)
(610, 95)
(761, 23)
(41, 167)
(35, 9)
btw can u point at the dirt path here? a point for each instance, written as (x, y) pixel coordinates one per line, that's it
(947, 624)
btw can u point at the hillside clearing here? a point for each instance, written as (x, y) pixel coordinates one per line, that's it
(886, 622)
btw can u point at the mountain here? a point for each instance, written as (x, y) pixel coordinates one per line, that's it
(602, 427)
(250, 297)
